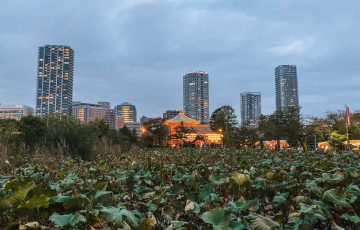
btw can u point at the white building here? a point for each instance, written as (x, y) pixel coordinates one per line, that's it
(15, 111)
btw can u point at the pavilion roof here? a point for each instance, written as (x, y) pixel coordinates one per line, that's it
(181, 117)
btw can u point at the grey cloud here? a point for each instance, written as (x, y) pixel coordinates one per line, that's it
(138, 50)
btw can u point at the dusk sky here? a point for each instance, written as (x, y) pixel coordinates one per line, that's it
(138, 50)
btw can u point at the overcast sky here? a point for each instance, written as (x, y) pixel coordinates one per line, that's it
(138, 50)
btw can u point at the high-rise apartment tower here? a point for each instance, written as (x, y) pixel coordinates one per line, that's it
(54, 80)
(196, 95)
(286, 86)
(250, 104)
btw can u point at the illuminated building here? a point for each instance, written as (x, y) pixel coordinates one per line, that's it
(126, 112)
(54, 80)
(170, 114)
(250, 104)
(87, 112)
(15, 111)
(196, 96)
(199, 130)
(286, 86)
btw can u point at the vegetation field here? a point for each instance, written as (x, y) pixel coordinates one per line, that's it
(182, 189)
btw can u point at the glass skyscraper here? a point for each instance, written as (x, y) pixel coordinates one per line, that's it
(196, 96)
(250, 104)
(286, 86)
(54, 80)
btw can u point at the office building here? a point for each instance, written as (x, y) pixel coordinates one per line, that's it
(15, 111)
(170, 114)
(250, 104)
(105, 104)
(125, 112)
(286, 86)
(109, 114)
(196, 96)
(144, 119)
(133, 126)
(87, 112)
(54, 80)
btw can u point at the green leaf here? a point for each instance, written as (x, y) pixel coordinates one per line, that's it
(236, 225)
(259, 222)
(253, 205)
(130, 216)
(100, 194)
(76, 202)
(206, 191)
(215, 217)
(333, 179)
(65, 220)
(21, 193)
(218, 179)
(331, 196)
(237, 206)
(355, 219)
(312, 186)
(281, 198)
(60, 199)
(353, 189)
(241, 179)
(36, 202)
(111, 214)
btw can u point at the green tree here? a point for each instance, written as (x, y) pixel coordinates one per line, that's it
(32, 130)
(181, 133)
(248, 136)
(156, 130)
(223, 119)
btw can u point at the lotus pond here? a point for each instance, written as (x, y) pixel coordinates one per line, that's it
(183, 189)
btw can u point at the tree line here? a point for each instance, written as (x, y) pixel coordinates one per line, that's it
(289, 125)
(69, 136)
(63, 134)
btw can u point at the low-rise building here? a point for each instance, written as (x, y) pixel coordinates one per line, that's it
(15, 111)
(87, 112)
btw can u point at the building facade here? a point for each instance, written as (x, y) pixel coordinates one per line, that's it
(15, 111)
(87, 112)
(125, 112)
(286, 87)
(250, 104)
(144, 119)
(105, 104)
(110, 119)
(170, 114)
(54, 80)
(196, 96)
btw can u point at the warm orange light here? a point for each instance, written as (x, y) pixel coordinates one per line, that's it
(220, 130)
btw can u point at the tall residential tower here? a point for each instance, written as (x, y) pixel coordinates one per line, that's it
(196, 95)
(54, 80)
(250, 104)
(286, 86)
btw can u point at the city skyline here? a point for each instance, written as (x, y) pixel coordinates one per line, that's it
(121, 58)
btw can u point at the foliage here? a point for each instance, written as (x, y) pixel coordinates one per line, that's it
(183, 189)
(224, 119)
(60, 133)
